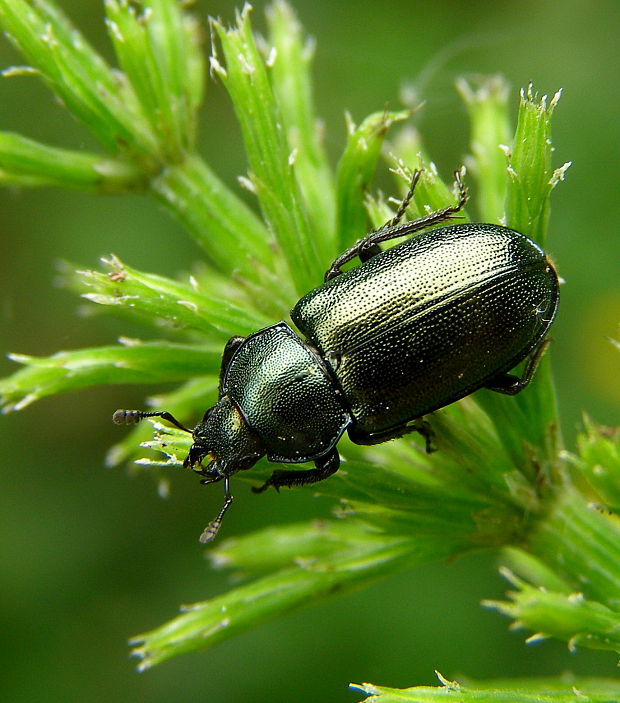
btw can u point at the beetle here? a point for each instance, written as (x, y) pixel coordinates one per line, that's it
(411, 329)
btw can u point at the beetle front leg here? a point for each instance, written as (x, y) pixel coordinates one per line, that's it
(325, 467)
(366, 248)
(369, 246)
(209, 476)
(509, 384)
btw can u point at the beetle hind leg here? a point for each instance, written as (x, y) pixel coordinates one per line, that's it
(509, 384)
(325, 467)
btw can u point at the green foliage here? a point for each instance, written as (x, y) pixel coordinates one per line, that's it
(500, 477)
(133, 361)
(356, 170)
(565, 689)
(491, 134)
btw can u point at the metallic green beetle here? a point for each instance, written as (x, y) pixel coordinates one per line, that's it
(410, 330)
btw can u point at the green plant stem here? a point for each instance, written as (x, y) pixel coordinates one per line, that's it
(565, 689)
(270, 157)
(499, 479)
(292, 87)
(487, 102)
(25, 162)
(222, 224)
(580, 543)
(250, 604)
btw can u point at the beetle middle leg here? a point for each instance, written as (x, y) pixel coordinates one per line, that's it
(369, 246)
(325, 467)
(420, 425)
(509, 384)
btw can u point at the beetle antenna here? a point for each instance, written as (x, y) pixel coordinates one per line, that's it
(211, 530)
(128, 417)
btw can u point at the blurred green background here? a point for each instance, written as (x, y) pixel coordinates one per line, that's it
(90, 556)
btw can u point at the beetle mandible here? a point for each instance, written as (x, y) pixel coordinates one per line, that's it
(411, 329)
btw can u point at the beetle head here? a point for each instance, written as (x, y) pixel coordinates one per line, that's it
(225, 436)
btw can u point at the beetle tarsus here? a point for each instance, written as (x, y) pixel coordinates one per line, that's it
(402, 208)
